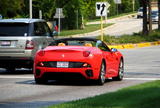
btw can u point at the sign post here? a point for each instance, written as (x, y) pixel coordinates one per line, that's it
(117, 2)
(59, 15)
(30, 9)
(101, 10)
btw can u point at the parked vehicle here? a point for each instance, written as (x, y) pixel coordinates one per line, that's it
(19, 41)
(154, 16)
(140, 12)
(78, 58)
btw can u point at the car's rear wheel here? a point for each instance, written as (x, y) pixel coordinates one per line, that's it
(102, 74)
(40, 80)
(120, 72)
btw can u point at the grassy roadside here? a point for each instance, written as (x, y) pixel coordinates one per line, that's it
(90, 28)
(116, 16)
(87, 29)
(135, 38)
(141, 96)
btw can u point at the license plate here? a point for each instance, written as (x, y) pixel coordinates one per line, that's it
(5, 43)
(62, 64)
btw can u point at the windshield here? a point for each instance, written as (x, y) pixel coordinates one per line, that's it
(140, 9)
(154, 12)
(13, 29)
(74, 43)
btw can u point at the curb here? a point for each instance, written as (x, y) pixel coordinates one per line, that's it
(138, 45)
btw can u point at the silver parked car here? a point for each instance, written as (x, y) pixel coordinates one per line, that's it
(19, 41)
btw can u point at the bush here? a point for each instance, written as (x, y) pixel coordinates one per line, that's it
(135, 38)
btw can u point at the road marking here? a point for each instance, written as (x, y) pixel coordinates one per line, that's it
(143, 79)
(16, 77)
(32, 77)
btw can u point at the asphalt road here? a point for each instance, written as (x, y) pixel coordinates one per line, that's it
(18, 89)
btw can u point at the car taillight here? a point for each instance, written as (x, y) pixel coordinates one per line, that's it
(29, 44)
(41, 53)
(86, 53)
(86, 65)
(41, 64)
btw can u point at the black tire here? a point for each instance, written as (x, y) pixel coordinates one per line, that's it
(101, 80)
(120, 72)
(40, 81)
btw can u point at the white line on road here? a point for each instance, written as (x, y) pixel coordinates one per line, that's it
(16, 77)
(32, 77)
(143, 79)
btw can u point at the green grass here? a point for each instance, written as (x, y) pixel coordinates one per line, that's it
(135, 38)
(88, 28)
(141, 96)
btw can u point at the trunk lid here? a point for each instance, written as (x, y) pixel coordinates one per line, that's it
(66, 53)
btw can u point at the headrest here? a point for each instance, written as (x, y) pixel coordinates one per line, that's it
(88, 45)
(61, 44)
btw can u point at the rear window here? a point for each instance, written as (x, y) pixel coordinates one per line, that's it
(13, 29)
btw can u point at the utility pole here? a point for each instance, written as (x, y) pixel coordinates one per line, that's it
(133, 3)
(77, 19)
(30, 9)
(145, 27)
(158, 14)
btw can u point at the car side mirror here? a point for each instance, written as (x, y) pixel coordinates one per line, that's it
(114, 50)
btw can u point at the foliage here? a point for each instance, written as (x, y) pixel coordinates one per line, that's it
(73, 10)
(46, 6)
(72, 13)
(11, 8)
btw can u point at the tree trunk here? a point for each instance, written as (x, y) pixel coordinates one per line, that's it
(145, 28)
(149, 16)
(158, 14)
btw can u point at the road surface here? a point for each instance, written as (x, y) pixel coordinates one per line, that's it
(18, 89)
(128, 25)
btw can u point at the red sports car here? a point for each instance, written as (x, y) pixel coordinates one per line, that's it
(76, 58)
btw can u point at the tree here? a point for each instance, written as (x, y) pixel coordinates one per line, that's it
(11, 8)
(72, 9)
(145, 27)
(159, 15)
(46, 6)
(149, 15)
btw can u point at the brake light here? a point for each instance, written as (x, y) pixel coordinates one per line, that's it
(86, 53)
(29, 44)
(41, 64)
(41, 53)
(86, 65)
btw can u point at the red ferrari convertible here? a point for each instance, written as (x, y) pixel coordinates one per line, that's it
(78, 58)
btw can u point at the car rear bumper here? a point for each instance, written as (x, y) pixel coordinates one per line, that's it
(66, 73)
(17, 62)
